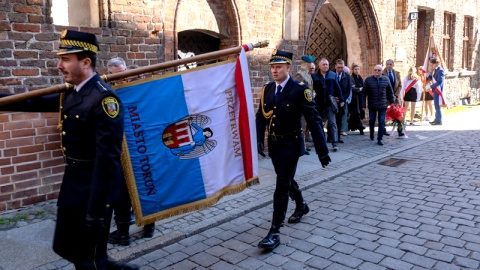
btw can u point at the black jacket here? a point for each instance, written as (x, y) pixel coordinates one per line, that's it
(358, 95)
(91, 131)
(283, 117)
(324, 87)
(378, 91)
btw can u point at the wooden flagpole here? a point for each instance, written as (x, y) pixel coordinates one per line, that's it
(128, 73)
(424, 86)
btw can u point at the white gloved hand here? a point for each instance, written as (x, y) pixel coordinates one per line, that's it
(428, 87)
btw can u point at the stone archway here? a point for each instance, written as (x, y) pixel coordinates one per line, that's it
(350, 31)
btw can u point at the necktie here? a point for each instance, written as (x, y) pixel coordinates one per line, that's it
(392, 79)
(278, 92)
(338, 77)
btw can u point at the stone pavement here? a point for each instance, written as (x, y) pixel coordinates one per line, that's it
(410, 204)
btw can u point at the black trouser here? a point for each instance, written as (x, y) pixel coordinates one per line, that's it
(123, 207)
(77, 243)
(286, 187)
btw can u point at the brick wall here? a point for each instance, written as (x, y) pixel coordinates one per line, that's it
(143, 32)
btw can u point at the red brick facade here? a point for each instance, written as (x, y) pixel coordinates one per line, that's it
(145, 32)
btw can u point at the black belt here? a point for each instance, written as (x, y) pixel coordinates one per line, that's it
(77, 162)
(284, 137)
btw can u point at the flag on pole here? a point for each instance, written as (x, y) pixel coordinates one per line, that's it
(432, 51)
(189, 139)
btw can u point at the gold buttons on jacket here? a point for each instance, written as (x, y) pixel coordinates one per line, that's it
(288, 105)
(65, 116)
(64, 149)
(76, 116)
(273, 124)
(64, 133)
(274, 116)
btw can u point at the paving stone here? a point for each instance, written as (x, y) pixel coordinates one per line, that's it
(440, 255)
(419, 260)
(390, 251)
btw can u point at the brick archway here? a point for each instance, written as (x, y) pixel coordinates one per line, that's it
(359, 33)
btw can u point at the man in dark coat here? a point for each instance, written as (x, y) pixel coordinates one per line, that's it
(282, 104)
(345, 82)
(91, 128)
(325, 84)
(378, 90)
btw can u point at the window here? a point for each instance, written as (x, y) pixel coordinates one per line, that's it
(467, 36)
(448, 39)
(75, 12)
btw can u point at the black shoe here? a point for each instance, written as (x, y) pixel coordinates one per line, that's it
(271, 241)
(385, 132)
(329, 141)
(361, 132)
(148, 230)
(340, 141)
(401, 134)
(380, 142)
(306, 153)
(119, 239)
(435, 124)
(298, 214)
(372, 137)
(308, 149)
(114, 265)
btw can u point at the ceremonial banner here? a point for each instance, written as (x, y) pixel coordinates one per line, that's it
(432, 51)
(189, 139)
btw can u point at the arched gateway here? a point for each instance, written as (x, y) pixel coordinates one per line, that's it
(346, 29)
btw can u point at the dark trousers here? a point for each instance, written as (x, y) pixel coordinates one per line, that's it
(75, 242)
(339, 119)
(286, 187)
(373, 113)
(124, 205)
(438, 110)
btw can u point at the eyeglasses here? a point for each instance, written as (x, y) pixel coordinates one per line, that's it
(377, 70)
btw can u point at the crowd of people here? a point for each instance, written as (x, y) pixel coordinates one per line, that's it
(342, 97)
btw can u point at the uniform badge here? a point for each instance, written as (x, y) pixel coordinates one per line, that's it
(308, 94)
(64, 33)
(110, 106)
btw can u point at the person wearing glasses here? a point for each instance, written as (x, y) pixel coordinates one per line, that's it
(378, 90)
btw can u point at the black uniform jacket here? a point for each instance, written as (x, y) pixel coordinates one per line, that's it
(284, 118)
(92, 133)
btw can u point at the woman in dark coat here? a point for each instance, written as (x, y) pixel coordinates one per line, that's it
(355, 108)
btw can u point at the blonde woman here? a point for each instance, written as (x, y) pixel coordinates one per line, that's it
(426, 96)
(411, 87)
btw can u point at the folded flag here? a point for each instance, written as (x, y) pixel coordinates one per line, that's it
(189, 139)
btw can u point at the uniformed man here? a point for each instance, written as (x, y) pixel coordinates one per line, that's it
(283, 102)
(304, 75)
(91, 128)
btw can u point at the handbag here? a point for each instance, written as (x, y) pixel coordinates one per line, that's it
(333, 103)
